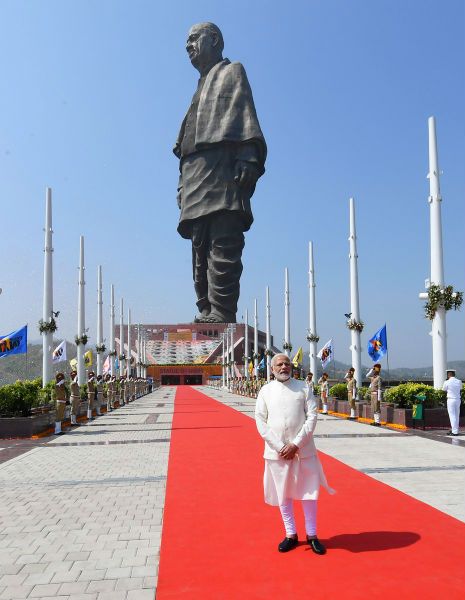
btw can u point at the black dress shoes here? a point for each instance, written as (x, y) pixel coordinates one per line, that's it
(316, 545)
(288, 544)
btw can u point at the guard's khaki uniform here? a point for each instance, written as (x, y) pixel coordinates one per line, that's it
(351, 392)
(60, 396)
(90, 396)
(75, 400)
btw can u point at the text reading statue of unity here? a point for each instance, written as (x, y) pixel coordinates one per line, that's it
(222, 154)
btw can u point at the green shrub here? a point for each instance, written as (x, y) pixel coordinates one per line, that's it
(339, 391)
(403, 395)
(316, 390)
(17, 399)
(364, 393)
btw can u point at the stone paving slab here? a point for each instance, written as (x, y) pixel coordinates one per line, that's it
(82, 520)
(81, 514)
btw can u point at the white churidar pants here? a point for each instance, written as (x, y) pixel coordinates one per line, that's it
(453, 408)
(287, 512)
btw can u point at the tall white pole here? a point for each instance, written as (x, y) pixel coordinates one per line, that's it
(355, 335)
(129, 343)
(268, 334)
(99, 321)
(112, 329)
(312, 334)
(47, 336)
(139, 356)
(255, 338)
(287, 319)
(246, 344)
(81, 348)
(227, 357)
(223, 360)
(438, 333)
(233, 372)
(122, 363)
(144, 346)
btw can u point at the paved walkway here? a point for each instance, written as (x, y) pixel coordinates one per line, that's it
(81, 514)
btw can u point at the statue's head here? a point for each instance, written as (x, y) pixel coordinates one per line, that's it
(204, 45)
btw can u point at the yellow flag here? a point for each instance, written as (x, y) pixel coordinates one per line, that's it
(297, 360)
(73, 363)
(88, 358)
(250, 367)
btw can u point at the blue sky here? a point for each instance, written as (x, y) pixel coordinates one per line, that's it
(93, 95)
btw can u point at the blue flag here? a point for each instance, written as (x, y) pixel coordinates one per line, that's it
(377, 346)
(261, 364)
(14, 343)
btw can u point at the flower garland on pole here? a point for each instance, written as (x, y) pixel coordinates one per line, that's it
(311, 337)
(100, 348)
(354, 325)
(81, 340)
(445, 296)
(48, 326)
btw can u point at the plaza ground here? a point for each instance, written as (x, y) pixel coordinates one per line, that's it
(82, 515)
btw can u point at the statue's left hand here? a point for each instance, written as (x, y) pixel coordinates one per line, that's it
(245, 173)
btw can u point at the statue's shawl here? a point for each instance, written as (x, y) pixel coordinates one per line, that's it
(226, 111)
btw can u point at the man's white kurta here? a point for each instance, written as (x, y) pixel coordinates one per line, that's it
(286, 413)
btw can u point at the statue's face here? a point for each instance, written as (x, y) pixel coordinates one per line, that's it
(199, 45)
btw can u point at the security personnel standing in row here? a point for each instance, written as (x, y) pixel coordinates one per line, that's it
(351, 391)
(99, 394)
(90, 394)
(453, 387)
(75, 397)
(60, 399)
(110, 392)
(376, 393)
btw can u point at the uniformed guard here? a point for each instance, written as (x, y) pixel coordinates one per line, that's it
(122, 390)
(91, 388)
(75, 397)
(374, 375)
(110, 392)
(351, 391)
(60, 400)
(99, 394)
(324, 392)
(310, 385)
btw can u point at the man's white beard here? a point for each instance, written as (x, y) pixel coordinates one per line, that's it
(282, 377)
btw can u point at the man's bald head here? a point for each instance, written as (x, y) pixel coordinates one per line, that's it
(204, 46)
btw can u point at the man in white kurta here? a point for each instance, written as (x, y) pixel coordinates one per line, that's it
(286, 416)
(453, 387)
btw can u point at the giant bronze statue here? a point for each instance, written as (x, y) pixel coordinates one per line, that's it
(221, 152)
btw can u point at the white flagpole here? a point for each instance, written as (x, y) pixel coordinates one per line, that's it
(81, 348)
(47, 308)
(112, 330)
(287, 320)
(438, 329)
(313, 336)
(268, 334)
(255, 338)
(122, 363)
(99, 320)
(355, 335)
(246, 344)
(129, 343)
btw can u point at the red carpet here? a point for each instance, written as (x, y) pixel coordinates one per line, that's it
(220, 539)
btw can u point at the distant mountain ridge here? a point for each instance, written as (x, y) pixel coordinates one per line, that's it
(17, 367)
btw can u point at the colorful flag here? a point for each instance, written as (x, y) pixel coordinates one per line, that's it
(377, 346)
(14, 343)
(73, 364)
(88, 359)
(59, 353)
(261, 364)
(297, 360)
(250, 367)
(326, 353)
(106, 365)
